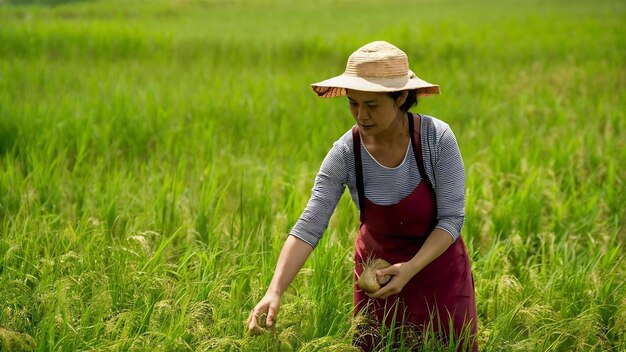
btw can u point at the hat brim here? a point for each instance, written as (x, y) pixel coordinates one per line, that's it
(337, 86)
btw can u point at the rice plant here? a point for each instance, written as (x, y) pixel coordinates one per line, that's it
(154, 156)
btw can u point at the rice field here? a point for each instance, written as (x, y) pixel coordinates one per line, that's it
(154, 155)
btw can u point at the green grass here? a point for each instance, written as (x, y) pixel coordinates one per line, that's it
(154, 156)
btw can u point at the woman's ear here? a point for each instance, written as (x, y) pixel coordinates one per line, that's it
(402, 98)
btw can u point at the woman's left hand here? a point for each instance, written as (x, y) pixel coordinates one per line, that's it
(400, 274)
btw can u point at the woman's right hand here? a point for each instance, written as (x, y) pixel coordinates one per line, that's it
(264, 313)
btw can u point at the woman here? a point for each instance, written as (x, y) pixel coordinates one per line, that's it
(406, 175)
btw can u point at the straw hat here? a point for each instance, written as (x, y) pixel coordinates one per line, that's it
(376, 67)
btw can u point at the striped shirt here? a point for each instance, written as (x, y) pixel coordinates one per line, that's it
(386, 186)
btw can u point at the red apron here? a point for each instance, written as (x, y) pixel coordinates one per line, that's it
(440, 294)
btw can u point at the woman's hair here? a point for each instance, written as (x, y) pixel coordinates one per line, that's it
(411, 99)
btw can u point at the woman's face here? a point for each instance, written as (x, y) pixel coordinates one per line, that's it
(374, 112)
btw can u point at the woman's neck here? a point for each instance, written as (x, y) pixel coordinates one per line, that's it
(396, 135)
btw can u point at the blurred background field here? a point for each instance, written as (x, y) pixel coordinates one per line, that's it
(155, 154)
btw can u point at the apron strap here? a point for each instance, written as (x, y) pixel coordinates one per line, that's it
(358, 165)
(358, 168)
(419, 158)
(417, 148)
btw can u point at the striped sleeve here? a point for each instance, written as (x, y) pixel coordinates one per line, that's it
(329, 186)
(449, 175)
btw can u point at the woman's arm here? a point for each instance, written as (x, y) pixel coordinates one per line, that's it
(304, 236)
(292, 257)
(437, 243)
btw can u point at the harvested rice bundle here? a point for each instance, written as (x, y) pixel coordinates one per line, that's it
(367, 280)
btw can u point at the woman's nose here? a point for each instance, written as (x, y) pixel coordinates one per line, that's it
(362, 114)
